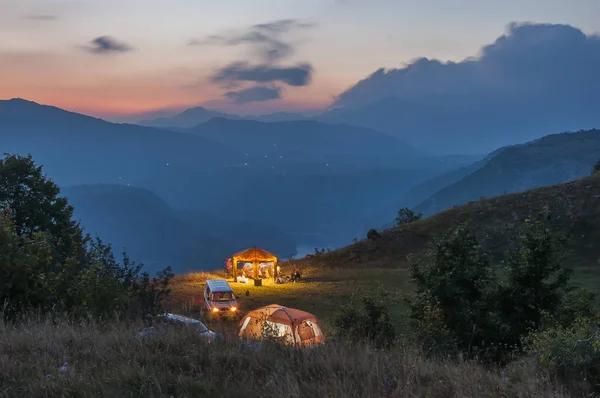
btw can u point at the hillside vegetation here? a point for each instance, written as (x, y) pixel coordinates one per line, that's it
(574, 204)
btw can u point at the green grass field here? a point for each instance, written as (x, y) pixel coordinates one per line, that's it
(322, 291)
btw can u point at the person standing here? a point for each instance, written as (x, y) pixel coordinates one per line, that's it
(228, 267)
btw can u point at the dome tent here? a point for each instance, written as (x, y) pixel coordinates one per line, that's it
(283, 324)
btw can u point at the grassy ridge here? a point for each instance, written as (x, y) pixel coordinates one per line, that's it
(575, 204)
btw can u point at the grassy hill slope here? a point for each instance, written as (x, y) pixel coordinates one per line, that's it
(575, 204)
(549, 160)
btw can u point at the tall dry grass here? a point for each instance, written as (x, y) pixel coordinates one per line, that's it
(110, 361)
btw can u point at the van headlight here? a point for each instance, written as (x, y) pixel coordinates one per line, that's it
(215, 309)
(233, 309)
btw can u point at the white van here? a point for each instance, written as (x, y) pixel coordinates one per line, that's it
(219, 298)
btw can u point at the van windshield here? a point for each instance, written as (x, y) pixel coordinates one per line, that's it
(222, 296)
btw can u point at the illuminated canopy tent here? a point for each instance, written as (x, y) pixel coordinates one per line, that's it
(284, 324)
(255, 256)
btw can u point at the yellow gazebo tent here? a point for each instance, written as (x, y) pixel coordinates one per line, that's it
(255, 256)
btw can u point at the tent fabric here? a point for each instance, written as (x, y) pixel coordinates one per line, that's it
(284, 324)
(254, 255)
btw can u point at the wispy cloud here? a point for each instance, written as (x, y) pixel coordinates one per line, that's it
(267, 49)
(265, 39)
(107, 45)
(40, 17)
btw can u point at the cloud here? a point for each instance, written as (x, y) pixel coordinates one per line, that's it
(268, 49)
(264, 39)
(41, 17)
(540, 59)
(107, 45)
(298, 75)
(254, 94)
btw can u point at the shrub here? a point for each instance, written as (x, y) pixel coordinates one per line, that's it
(373, 234)
(570, 353)
(407, 216)
(366, 318)
(596, 167)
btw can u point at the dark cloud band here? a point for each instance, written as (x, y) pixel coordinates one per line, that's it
(299, 75)
(107, 45)
(254, 94)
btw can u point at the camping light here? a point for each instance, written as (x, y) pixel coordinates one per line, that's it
(215, 309)
(233, 309)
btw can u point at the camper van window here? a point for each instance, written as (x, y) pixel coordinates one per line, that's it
(222, 296)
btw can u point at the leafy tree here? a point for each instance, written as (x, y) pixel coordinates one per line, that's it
(596, 167)
(32, 202)
(536, 280)
(464, 306)
(407, 216)
(450, 306)
(47, 264)
(24, 278)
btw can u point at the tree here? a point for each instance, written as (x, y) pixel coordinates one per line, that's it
(536, 282)
(462, 305)
(406, 216)
(450, 305)
(596, 167)
(48, 264)
(32, 202)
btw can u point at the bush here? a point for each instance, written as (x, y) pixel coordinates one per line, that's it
(570, 353)
(366, 318)
(373, 234)
(596, 167)
(47, 263)
(462, 305)
(407, 216)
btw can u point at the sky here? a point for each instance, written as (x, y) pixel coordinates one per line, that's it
(120, 57)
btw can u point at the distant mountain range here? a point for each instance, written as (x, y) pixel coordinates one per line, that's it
(444, 123)
(317, 183)
(194, 116)
(305, 136)
(77, 149)
(224, 182)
